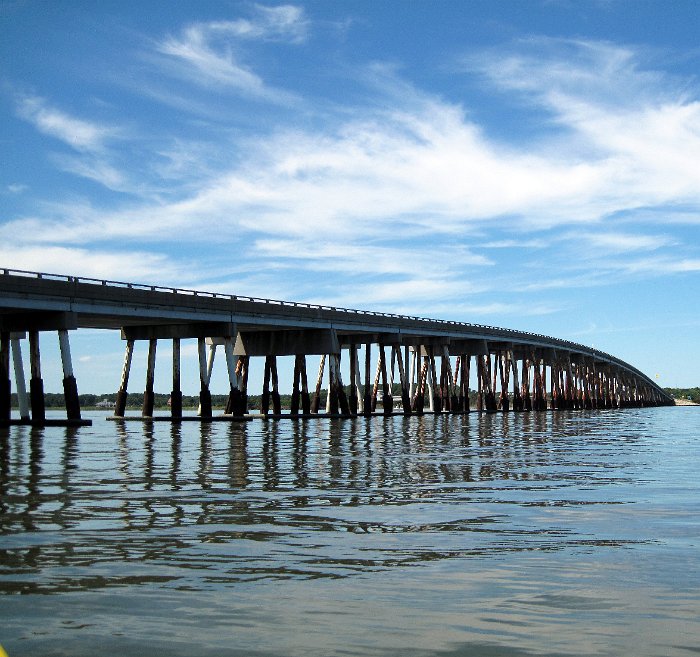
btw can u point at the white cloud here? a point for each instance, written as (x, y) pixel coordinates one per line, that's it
(79, 134)
(285, 22)
(208, 50)
(16, 188)
(134, 266)
(614, 242)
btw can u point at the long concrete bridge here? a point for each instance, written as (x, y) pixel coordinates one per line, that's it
(430, 360)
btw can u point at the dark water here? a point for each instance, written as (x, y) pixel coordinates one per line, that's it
(534, 534)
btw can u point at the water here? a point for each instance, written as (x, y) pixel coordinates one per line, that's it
(530, 534)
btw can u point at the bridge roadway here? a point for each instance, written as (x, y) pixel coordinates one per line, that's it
(580, 377)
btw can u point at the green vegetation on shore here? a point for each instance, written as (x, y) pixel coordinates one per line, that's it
(691, 394)
(135, 399)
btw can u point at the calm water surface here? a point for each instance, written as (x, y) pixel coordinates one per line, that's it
(532, 534)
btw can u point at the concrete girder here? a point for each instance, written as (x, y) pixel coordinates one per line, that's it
(182, 331)
(39, 321)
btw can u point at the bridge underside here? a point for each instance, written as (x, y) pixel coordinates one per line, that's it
(367, 362)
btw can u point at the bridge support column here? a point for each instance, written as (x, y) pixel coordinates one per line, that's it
(265, 397)
(353, 399)
(205, 368)
(19, 379)
(316, 401)
(336, 390)
(296, 393)
(387, 399)
(176, 392)
(148, 396)
(234, 392)
(405, 397)
(122, 394)
(5, 384)
(504, 372)
(36, 384)
(238, 380)
(70, 386)
(367, 396)
(465, 402)
(517, 396)
(300, 391)
(357, 385)
(276, 402)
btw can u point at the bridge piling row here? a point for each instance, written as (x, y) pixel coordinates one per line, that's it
(433, 376)
(32, 404)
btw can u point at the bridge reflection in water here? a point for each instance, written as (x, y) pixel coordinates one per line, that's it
(364, 356)
(146, 495)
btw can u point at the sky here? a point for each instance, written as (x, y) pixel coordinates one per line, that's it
(525, 164)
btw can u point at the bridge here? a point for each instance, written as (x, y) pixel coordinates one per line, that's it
(430, 360)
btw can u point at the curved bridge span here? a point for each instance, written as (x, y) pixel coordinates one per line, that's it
(398, 363)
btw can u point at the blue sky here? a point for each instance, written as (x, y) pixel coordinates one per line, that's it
(532, 165)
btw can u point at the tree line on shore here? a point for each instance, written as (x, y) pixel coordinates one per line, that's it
(691, 394)
(135, 399)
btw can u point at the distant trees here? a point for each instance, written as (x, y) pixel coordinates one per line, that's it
(693, 394)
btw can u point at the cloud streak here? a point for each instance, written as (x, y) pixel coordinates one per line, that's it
(79, 134)
(207, 52)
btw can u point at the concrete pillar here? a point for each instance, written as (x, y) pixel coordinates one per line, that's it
(403, 380)
(120, 406)
(70, 387)
(205, 368)
(36, 384)
(5, 386)
(352, 401)
(148, 397)
(176, 392)
(19, 379)
(316, 402)
(367, 404)
(357, 385)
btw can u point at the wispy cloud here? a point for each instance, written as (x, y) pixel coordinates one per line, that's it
(79, 134)
(209, 52)
(91, 263)
(16, 188)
